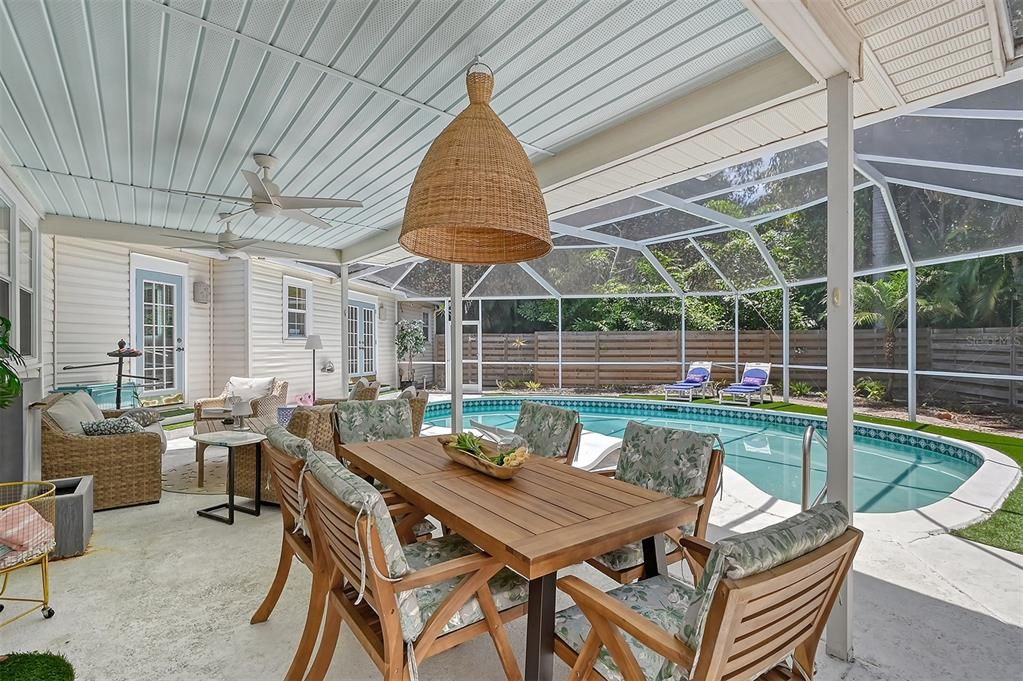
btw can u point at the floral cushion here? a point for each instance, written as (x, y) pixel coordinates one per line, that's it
(507, 587)
(143, 417)
(370, 421)
(359, 495)
(546, 430)
(281, 439)
(666, 460)
(750, 553)
(122, 425)
(631, 555)
(662, 600)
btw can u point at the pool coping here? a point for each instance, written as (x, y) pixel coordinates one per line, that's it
(974, 500)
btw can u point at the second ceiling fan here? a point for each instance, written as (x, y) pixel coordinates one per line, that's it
(266, 199)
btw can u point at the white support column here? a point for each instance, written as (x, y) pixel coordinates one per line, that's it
(455, 339)
(345, 350)
(735, 323)
(560, 324)
(785, 325)
(911, 344)
(682, 337)
(840, 331)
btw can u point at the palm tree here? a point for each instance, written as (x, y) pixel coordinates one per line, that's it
(10, 360)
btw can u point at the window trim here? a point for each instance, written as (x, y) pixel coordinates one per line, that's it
(307, 286)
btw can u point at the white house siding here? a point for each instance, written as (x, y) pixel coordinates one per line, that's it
(47, 329)
(230, 321)
(91, 309)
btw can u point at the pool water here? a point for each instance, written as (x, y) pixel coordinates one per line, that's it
(887, 476)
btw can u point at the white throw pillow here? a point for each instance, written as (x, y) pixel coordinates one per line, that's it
(86, 399)
(249, 388)
(69, 412)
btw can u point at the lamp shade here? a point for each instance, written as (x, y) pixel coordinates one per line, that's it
(475, 199)
(313, 342)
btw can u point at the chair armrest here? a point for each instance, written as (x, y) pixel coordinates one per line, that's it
(696, 552)
(592, 600)
(444, 571)
(92, 444)
(207, 402)
(114, 413)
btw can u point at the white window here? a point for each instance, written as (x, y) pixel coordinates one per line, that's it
(27, 263)
(298, 308)
(426, 326)
(362, 338)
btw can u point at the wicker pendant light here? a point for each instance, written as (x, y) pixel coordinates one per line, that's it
(476, 199)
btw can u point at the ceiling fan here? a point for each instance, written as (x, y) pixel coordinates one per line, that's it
(266, 199)
(228, 243)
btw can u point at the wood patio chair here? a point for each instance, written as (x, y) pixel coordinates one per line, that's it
(547, 430)
(676, 462)
(759, 598)
(403, 604)
(287, 453)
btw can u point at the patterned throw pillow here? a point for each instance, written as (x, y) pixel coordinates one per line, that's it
(143, 417)
(122, 425)
(755, 381)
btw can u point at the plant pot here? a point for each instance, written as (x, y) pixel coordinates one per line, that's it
(74, 516)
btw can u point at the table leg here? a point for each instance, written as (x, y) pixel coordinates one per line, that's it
(209, 512)
(654, 561)
(259, 479)
(200, 462)
(540, 629)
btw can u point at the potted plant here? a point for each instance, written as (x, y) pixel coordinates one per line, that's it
(409, 340)
(10, 360)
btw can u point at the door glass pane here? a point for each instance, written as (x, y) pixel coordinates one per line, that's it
(26, 339)
(369, 340)
(159, 334)
(5, 241)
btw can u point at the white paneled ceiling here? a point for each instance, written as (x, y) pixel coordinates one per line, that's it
(102, 101)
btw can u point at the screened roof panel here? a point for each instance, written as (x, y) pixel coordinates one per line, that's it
(1008, 186)
(1007, 97)
(386, 277)
(687, 266)
(599, 271)
(509, 281)
(982, 142)
(751, 171)
(609, 211)
(432, 279)
(650, 225)
(784, 194)
(736, 255)
(572, 240)
(939, 224)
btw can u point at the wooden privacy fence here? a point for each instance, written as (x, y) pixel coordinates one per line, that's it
(638, 358)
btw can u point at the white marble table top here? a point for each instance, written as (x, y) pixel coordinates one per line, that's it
(229, 438)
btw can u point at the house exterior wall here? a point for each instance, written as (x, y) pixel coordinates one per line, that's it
(230, 321)
(91, 310)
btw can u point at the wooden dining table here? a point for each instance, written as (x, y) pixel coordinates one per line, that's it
(548, 517)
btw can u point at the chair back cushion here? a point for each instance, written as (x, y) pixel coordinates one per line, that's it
(249, 389)
(360, 496)
(756, 375)
(284, 441)
(698, 375)
(666, 460)
(69, 411)
(361, 421)
(547, 430)
(743, 555)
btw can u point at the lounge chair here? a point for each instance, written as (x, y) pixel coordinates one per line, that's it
(547, 430)
(753, 385)
(697, 382)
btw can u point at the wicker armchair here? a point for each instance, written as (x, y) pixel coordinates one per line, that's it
(315, 424)
(418, 404)
(126, 469)
(367, 392)
(261, 406)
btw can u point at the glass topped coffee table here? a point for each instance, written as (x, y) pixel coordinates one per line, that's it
(232, 439)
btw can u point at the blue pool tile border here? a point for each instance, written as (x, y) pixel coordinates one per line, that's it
(616, 406)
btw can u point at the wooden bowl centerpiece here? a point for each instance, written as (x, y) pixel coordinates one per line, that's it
(487, 458)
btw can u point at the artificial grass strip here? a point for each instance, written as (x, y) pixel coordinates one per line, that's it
(36, 667)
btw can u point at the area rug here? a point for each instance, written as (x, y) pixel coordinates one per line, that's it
(183, 477)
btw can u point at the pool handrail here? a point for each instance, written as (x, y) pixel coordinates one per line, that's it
(808, 436)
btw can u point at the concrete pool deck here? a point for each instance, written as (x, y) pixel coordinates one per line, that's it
(163, 594)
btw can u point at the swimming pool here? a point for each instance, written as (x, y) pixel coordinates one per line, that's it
(892, 470)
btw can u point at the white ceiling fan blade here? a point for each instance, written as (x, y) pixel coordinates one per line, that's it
(262, 249)
(203, 242)
(239, 244)
(208, 197)
(224, 217)
(302, 216)
(259, 191)
(291, 202)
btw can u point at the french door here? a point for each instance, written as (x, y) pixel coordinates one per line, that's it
(160, 331)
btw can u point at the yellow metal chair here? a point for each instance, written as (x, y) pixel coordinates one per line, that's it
(27, 516)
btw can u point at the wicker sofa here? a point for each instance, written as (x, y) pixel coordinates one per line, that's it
(261, 406)
(126, 469)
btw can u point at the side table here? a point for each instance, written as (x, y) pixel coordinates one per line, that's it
(232, 439)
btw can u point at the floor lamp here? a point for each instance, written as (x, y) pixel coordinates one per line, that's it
(314, 343)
